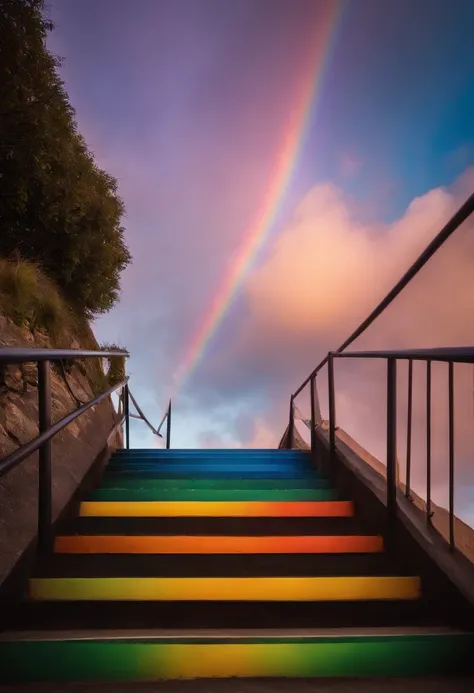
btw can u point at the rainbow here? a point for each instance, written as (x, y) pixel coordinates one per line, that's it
(286, 158)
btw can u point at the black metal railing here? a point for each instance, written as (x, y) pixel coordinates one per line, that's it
(167, 418)
(47, 430)
(449, 355)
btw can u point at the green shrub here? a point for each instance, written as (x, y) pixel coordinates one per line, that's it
(57, 207)
(32, 300)
(116, 369)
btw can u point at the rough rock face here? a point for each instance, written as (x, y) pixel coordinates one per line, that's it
(73, 449)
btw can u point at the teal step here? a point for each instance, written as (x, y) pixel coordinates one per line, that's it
(124, 481)
(137, 494)
(175, 472)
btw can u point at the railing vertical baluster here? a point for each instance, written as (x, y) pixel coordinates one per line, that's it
(291, 425)
(428, 442)
(451, 456)
(332, 408)
(44, 458)
(391, 452)
(409, 422)
(313, 413)
(126, 411)
(168, 428)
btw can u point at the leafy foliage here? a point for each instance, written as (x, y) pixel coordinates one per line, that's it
(115, 364)
(57, 207)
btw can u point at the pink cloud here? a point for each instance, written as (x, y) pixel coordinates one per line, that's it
(324, 274)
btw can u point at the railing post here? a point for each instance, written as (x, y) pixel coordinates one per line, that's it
(428, 442)
(168, 428)
(409, 422)
(126, 411)
(332, 408)
(391, 452)
(291, 425)
(44, 459)
(313, 414)
(451, 456)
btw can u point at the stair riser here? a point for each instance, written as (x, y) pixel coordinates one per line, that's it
(117, 660)
(198, 469)
(225, 589)
(217, 545)
(174, 472)
(122, 481)
(217, 509)
(212, 495)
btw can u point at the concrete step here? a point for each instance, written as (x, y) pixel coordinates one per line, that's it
(153, 656)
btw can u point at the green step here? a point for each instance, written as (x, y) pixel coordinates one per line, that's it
(151, 659)
(124, 481)
(137, 494)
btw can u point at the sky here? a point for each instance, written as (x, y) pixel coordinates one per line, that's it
(282, 162)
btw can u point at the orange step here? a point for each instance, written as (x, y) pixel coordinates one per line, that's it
(217, 544)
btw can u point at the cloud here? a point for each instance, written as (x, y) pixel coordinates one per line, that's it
(327, 270)
(324, 273)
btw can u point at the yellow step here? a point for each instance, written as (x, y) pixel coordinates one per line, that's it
(225, 589)
(216, 509)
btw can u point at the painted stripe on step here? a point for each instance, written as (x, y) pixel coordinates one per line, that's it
(109, 494)
(130, 660)
(210, 468)
(217, 545)
(216, 509)
(172, 472)
(123, 481)
(226, 589)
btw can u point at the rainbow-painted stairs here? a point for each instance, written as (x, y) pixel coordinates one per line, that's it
(222, 563)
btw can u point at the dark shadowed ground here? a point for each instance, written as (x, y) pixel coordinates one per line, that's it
(421, 685)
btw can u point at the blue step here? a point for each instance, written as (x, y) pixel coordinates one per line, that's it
(177, 472)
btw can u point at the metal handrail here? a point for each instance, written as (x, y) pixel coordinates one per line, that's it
(142, 416)
(452, 225)
(167, 418)
(450, 355)
(446, 354)
(17, 456)
(47, 430)
(20, 355)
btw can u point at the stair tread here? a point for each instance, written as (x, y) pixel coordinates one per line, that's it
(227, 634)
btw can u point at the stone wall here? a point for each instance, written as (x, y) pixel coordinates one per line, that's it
(73, 449)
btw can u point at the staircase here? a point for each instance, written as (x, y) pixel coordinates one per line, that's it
(223, 563)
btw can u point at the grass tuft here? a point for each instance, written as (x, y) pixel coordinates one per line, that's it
(32, 300)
